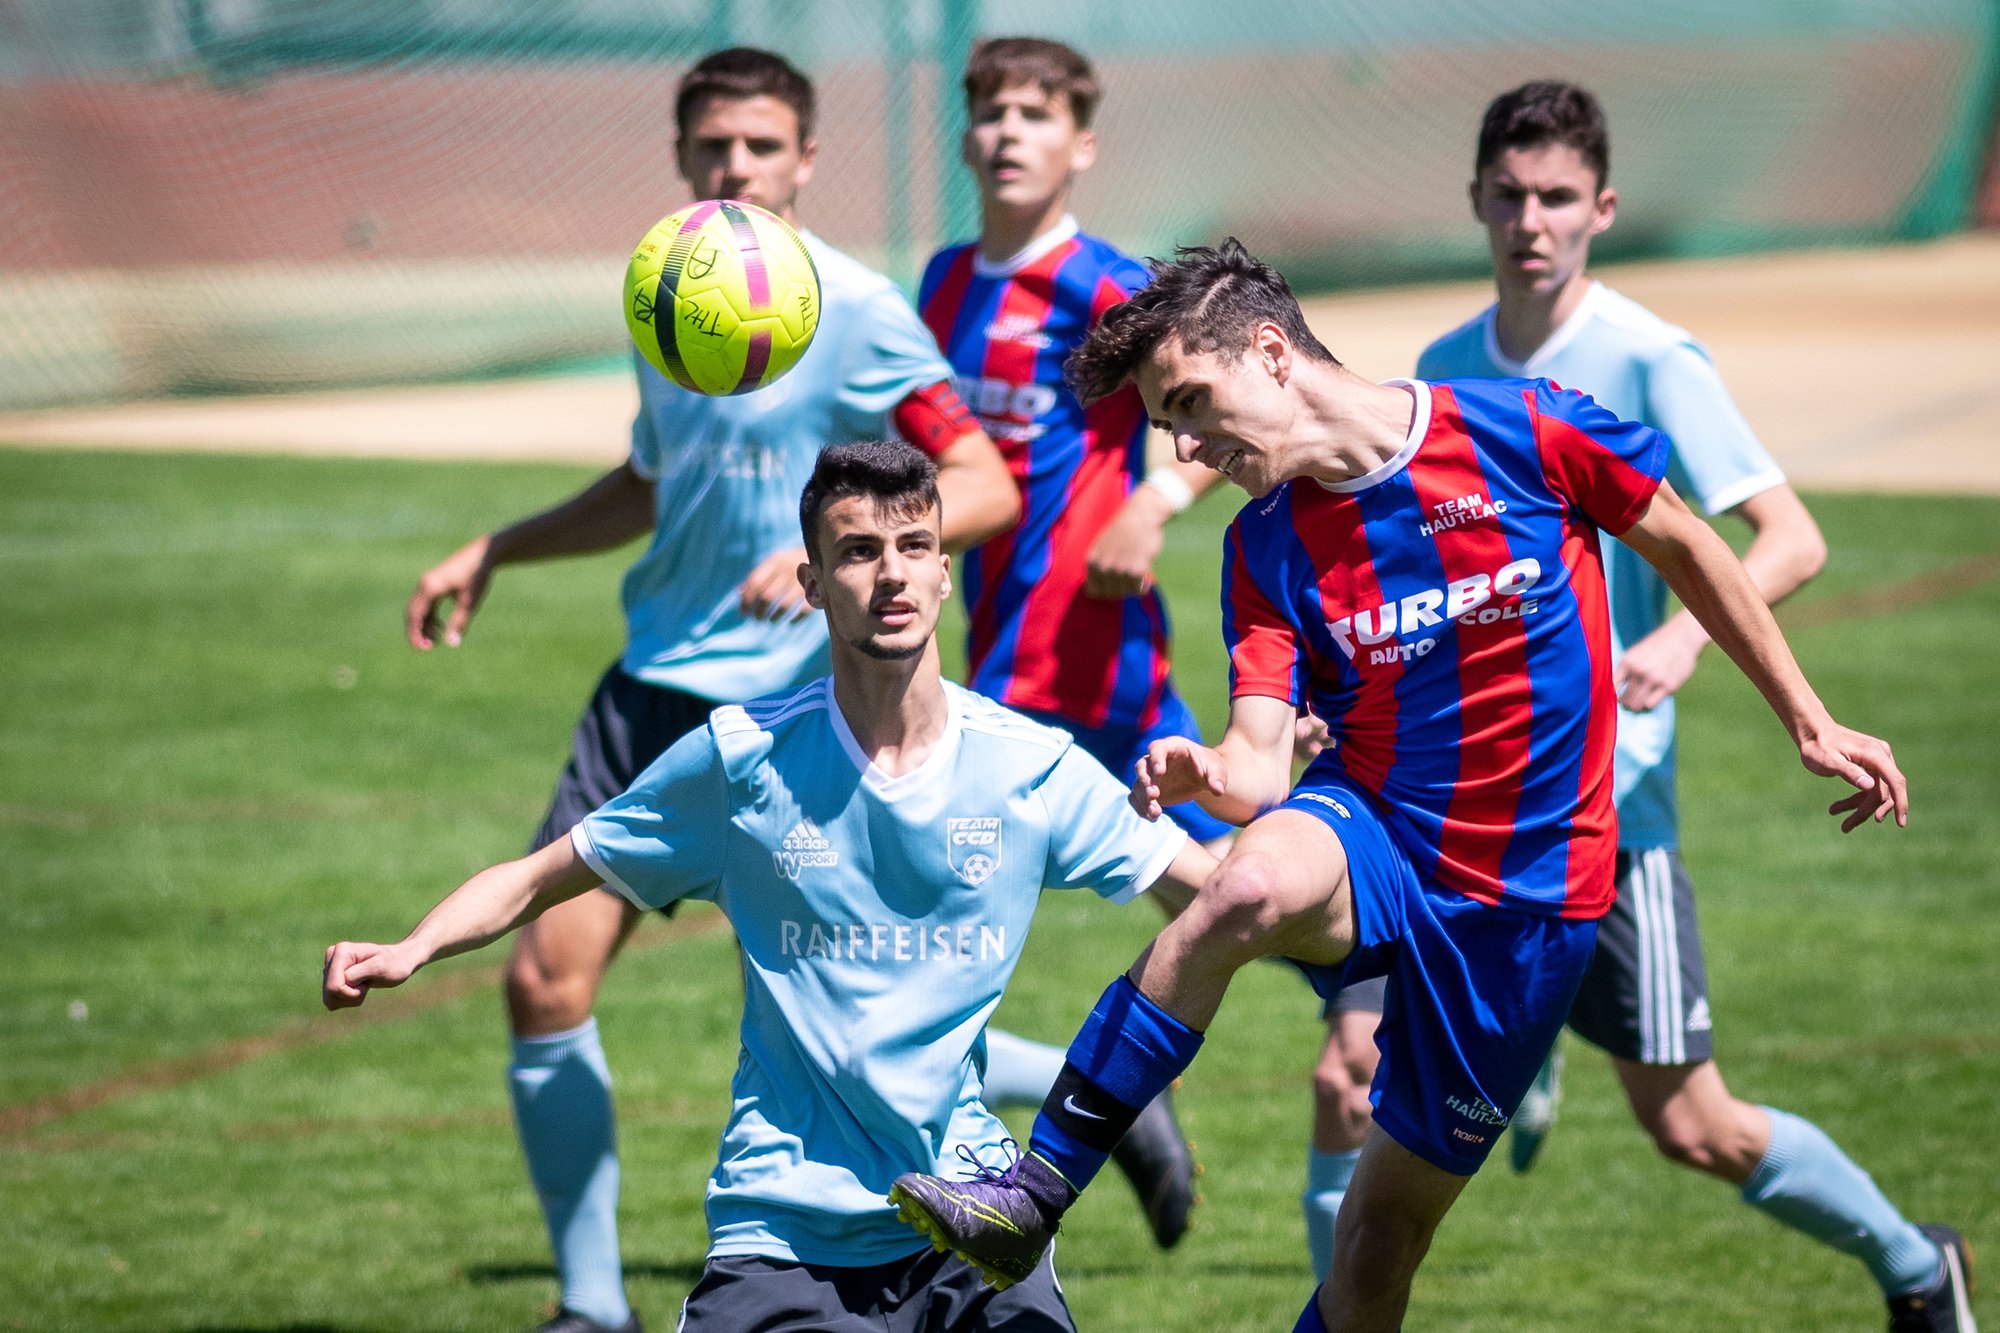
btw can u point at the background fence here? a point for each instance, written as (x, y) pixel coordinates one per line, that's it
(251, 194)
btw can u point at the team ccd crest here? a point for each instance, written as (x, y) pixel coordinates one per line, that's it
(973, 847)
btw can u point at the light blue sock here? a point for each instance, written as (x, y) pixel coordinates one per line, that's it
(1327, 1174)
(562, 1109)
(1809, 1184)
(1019, 1072)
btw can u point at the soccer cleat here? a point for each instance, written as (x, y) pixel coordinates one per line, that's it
(1160, 1163)
(1946, 1305)
(990, 1221)
(569, 1321)
(1537, 1114)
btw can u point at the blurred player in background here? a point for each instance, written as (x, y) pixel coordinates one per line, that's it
(1541, 190)
(1066, 622)
(714, 611)
(880, 840)
(1419, 563)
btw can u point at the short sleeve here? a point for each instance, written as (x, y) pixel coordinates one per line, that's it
(1717, 458)
(664, 838)
(1096, 840)
(888, 357)
(1266, 654)
(1604, 465)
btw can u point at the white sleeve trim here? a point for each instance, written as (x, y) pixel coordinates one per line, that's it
(1155, 868)
(579, 838)
(1726, 499)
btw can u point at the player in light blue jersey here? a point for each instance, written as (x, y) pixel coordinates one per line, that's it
(879, 839)
(1541, 191)
(714, 612)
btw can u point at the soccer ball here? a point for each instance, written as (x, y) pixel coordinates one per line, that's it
(722, 297)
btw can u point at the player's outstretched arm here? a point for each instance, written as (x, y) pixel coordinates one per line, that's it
(609, 512)
(1183, 878)
(1245, 774)
(1705, 574)
(476, 913)
(1120, 562)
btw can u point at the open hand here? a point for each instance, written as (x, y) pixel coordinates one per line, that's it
(461, 579)
(1866, 764)
(1175, 769)
(773, 591)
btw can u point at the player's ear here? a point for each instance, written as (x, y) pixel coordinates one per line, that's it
(1084, 152)
(809, 581)
(1478, 203)
(808, 154)
(945, 593)
(1274, 351)
(1607, 210)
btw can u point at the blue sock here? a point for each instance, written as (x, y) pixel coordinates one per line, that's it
(1309, 1320)
(1128, 1052)
(562, 1108)
(1809, 1184)
(1019, 1072)
(1327, 1174)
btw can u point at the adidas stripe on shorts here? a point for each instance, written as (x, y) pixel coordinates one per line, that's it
(1645, 994)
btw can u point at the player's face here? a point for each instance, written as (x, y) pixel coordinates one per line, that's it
(1540, 206)
(1230, 415)
(746, 148)
(1024, 147)
(880, 577)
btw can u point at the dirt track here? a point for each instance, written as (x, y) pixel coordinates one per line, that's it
(1865, 370)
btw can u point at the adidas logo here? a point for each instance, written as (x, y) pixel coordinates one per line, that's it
(1698, 1020)
(805, 847)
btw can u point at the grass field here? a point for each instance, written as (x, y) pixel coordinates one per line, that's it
(216, 756)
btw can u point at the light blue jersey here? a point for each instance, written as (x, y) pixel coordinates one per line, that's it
(727, 474)
(879, 919)
(1643, 369)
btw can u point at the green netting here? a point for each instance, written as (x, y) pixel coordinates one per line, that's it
(201, 195)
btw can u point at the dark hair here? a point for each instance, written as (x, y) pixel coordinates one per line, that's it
(900, 478)
(1546, 111)
(744, 71)
(1060, 71)
(1208, 298)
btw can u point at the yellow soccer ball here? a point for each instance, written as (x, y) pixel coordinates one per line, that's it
(722, 297)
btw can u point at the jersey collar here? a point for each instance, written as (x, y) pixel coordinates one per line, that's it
(1420, 426)
(1027, 254)
(1563, 336)
(882, 784)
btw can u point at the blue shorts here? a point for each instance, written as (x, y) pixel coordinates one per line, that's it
(1476, 994)
(1120, 749)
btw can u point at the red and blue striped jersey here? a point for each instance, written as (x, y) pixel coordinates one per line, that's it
(1036, 640)
(1445, 615)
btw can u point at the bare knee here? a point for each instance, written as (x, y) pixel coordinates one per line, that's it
(1241, 909)
(1694, 1121)
(542, 999)
(1341, 1110)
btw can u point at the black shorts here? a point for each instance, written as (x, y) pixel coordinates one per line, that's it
(925, 1293)
(626, 726)
(1362, 997)
(1645, 994)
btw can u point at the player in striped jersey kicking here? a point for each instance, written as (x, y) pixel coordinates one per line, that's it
(1420, 565)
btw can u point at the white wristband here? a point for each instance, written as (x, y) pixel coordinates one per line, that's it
(1172, 487)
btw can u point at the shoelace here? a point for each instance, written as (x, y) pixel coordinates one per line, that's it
(992, 1175)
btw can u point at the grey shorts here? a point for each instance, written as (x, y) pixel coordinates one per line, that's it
(1645, 995)
(626, 726)
(925, 1293)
